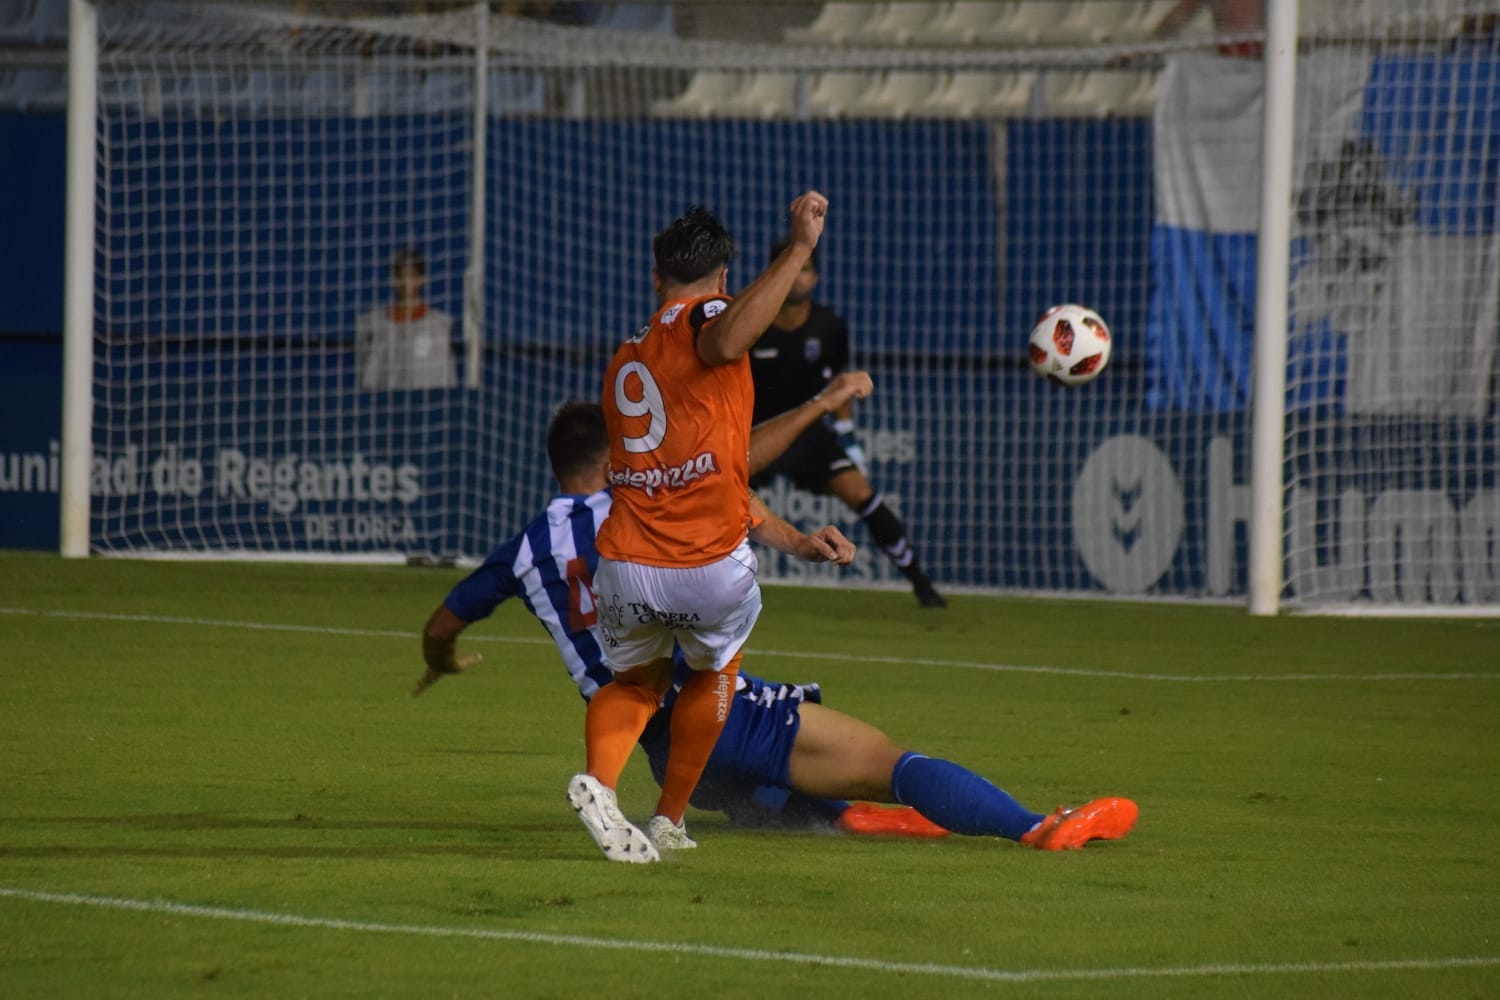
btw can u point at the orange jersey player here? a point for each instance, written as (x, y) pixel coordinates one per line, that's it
(679, 443)
(676, 568)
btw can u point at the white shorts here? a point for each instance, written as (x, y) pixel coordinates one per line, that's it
(707, 610)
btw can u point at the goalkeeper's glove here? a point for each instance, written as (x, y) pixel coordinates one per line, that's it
(845, 430)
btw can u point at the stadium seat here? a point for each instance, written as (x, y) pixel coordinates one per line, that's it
(255, 89)
(328, 93)
(895, 23)
(1323, 16)
(832, 26)
(33, 90)
(181, 94)
(652, 18)
(448, 90)
(1069, 94)
(765, 95)
(1021, 23)
(122, 91)
(15, 19)
(1098, 93)
(285, 93)
(961, 23)
(981, 94)
(230, 92)
(896, 94)
(1145, 22)
(388, 92)
(1140, 100)
(706, 93)
(227, 92)
(1093, 21)
(33, 22)
(140, 91)
(513, 93)
(1200, 27)
(1016, 97)
(832, 94)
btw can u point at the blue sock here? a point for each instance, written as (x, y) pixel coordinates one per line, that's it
(957, 799)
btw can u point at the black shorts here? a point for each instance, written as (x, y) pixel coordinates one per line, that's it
(812, 460)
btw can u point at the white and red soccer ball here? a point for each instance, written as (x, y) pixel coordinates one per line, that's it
(1069, 344)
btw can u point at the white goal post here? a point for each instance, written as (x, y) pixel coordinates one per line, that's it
(331, 265)
(1268, 429)
(74, 527)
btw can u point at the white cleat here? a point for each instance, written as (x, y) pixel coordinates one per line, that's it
(669, 836)
(617, 837)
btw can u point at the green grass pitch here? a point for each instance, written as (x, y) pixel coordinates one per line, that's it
(217, 784)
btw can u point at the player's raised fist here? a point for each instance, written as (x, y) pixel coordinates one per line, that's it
(807, 213)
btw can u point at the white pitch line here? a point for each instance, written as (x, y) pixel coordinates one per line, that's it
(781, 653)
(754, 954)
(227, 623)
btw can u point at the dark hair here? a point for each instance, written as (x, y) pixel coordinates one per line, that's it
(576, 437)
(693, 247)
(779, 247)
(408, 256)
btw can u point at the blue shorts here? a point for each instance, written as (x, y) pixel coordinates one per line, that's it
(748, 773)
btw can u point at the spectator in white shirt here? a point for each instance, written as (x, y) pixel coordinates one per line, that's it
(407, 344)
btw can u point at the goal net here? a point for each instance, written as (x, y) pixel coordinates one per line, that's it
(348, 259)
(1392, 492)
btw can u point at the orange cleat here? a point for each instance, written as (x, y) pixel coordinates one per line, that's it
(1070, 829)
(871, 820)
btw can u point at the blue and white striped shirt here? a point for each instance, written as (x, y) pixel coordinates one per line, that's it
(549, 565)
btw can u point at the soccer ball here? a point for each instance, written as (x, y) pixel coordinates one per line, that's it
(1069, 345)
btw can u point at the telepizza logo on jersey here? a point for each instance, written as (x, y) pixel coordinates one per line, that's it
(666, 477)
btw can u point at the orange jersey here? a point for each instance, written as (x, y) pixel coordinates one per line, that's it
(679, 444)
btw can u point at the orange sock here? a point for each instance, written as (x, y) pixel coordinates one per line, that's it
(697, 720)
(616, 715)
